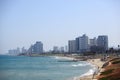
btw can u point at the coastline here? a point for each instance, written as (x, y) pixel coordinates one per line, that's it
(92, 73)
(97, 64)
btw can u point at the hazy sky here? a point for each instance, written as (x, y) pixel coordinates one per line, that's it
(54, 22)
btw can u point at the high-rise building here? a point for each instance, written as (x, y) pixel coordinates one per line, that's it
(66, 48)
(82, 44)
(77, 44)
(72, 46)
(102, 41)
(62, 49)
(23, 50)
(14, 51)
(36, 48)
(93, 42)
(55, 49)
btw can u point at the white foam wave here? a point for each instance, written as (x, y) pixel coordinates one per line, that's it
(65, 58)
(80, 64)
(90, 72)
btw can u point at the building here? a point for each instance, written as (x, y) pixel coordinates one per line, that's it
(72, 46)
(77, 45)
(82, 43)
(24, 50)
(36, 48)
(14, 51)
(62, 49)
(66, 48)
(93, 42)
(102, 42)
(55, 49)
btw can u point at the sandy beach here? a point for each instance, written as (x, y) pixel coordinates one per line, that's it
(96, 63)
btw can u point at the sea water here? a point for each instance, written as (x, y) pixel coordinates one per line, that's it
(41, 68)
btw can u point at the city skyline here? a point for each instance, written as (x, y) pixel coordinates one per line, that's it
(80, 44)
(83, 44)
(24, 22)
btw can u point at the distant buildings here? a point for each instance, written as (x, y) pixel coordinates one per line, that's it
(14, 51)
(57, 49)
(23, 50)
(66, 49)
(80, 44)
(37, 48)
(62, 49)
(93, 42)
(84, 44)
(72, 46)
(102, 41)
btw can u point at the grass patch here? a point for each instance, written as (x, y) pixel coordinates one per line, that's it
(107, 72)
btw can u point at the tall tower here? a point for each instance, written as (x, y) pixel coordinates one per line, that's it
(82, 43)
(102, 42)
(38, 47)
(72, 46)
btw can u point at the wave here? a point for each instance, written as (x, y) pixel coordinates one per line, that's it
(77, 65)
(90, 72)
(65, 58)
(80, 64)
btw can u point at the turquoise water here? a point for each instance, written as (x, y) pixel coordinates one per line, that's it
(40, 68)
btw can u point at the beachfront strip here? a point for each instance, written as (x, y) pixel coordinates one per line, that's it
(105, 70)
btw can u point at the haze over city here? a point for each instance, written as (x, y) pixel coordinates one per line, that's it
(23, 22)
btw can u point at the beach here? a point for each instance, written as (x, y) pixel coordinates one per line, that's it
(97, 64)
(92, 73)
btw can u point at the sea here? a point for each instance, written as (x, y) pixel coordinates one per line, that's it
(42, 68)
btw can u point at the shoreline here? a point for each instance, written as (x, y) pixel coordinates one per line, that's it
(97, 64)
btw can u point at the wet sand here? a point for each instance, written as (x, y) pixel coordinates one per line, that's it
(98, 64)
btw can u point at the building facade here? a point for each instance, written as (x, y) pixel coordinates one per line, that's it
(72, 46)
(55, 49)
(102, 41)
(93, 42)
(82, 43)
(36, 48)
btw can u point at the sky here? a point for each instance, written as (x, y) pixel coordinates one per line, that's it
(54, 22)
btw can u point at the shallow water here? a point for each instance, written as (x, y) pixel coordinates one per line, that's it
(40, 68)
